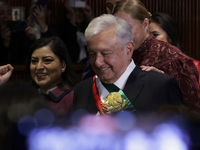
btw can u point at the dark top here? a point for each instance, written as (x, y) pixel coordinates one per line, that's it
(17, 51)
(60, 102)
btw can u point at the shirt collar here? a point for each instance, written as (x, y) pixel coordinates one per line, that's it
(120, 82)
(49, 90)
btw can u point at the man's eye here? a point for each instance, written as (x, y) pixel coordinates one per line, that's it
(91, 54)
(106, 54)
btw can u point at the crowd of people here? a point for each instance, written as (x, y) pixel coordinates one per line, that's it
(135, 63)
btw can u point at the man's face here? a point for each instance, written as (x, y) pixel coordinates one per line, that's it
(110, 5)
(108, 60)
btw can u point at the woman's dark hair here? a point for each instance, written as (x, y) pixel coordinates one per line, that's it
(169, 25)
(58, 47)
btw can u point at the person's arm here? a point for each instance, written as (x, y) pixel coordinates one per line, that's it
(30, 32)
(5, 73)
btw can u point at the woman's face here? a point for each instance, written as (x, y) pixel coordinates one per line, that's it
(158, 32)
(46, 68)
(138, 28)
(5, 15)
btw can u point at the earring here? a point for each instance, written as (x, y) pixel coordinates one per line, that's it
(145, 30)
(62, 69)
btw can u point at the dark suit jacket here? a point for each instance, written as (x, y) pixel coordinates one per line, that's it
(147, 91)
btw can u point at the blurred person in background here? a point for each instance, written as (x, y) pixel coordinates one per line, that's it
(51, 71)
(164, 28)
(13, 40)
(71, 31)
(37, 21)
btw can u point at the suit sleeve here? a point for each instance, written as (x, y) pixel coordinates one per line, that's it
(171, 93)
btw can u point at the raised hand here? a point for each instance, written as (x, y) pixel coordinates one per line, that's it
(5, 73)
(71, 14)
(40, 17)
(30, 32)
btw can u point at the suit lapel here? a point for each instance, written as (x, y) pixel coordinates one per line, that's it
(134, 84)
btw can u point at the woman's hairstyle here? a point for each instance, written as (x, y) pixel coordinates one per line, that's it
(169, 25)
(58, 47)
(100, 24)
(135, 8)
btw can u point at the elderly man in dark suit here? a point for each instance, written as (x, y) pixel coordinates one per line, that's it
(119, 84)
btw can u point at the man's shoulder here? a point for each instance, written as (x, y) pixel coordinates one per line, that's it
(150, 76)
(86, 82)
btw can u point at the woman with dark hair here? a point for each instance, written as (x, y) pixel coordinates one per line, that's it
(164, 28)
(152, 52)
(167, 25)
(51, 71)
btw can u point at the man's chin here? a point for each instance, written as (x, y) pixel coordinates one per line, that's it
(105, 80)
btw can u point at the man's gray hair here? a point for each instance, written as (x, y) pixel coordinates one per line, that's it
(106, 21)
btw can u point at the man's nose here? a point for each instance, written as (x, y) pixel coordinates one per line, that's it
(99, 60)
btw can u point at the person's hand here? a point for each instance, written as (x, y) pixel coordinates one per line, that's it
(30, 32)
(71, 15)
(6, 36)
(149, 68)
(5, 73)
(40, 17)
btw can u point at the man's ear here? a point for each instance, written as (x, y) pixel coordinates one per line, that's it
(145, 24)
(129, 48)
